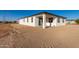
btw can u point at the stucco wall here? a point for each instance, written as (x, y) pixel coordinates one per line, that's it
(61, 22)
(29, 23)
(52, 24)
(55, 23)
(20, 21)
(35, 21)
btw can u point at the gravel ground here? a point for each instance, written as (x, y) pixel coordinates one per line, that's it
(20, 36)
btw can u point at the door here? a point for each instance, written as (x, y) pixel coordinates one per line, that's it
(40, 22)
(50, 21)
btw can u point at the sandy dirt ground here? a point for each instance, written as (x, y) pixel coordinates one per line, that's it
(20, 36)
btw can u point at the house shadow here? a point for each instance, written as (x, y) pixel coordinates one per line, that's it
(50, 27)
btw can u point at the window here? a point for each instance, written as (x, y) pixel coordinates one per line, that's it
(58, 20)
(27, 19)
(50, 20)
(63, 20)
(23, 20)
(32, 19)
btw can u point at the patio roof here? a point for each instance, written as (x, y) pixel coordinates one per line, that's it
(43, 13)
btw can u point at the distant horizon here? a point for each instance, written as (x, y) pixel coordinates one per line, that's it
(12, 15)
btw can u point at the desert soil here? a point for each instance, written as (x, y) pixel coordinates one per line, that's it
(20, 36)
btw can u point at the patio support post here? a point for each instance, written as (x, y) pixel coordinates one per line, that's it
(44, 21)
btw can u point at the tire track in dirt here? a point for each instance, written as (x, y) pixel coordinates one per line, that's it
(19, 38)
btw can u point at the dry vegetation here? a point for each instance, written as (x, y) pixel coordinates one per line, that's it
(17, 36)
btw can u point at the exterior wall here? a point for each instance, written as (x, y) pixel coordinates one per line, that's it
(61, 22)
(54, 20)
(52, 24)
(55, 23)
(20, 21)
(35, 21)
(29, 23)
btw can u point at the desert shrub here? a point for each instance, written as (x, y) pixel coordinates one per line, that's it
(0, 21)
(77, 21)
(68, 23)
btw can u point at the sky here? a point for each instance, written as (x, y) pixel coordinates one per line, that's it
(12, 15)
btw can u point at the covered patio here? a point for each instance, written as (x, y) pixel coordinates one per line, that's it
(45, 20)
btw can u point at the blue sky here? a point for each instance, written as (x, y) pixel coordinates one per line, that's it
(15, 14)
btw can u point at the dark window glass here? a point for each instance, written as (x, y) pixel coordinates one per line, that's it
(50, 20)
(27, 19)
(58, 20)
(32, 19)
(63, 20)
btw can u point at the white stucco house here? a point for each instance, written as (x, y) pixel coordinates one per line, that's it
(43, 19)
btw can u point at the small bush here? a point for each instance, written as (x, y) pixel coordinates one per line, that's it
(77, 21)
